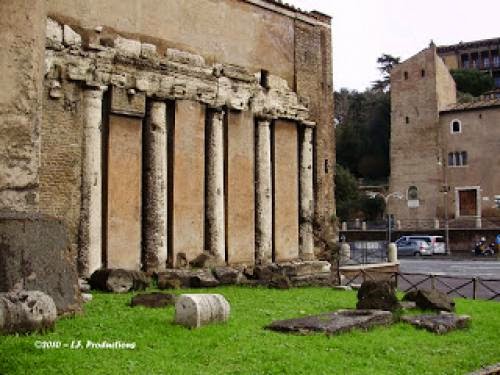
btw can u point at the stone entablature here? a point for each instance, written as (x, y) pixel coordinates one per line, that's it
(131, 65)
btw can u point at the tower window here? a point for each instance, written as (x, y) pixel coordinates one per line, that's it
(406, 75)
(407, 119)
(455, 127)
(412, 193)
(457, 159)
(422, 73)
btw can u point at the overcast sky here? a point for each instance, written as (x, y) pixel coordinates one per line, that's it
(365, 29)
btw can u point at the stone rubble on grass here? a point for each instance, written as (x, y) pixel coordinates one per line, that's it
(119, 280)
(377, 295)
(196, 310)
(440, 324)
(83, 285)
(26, 311)
(153, 300)
(334, 322)
(227, 275)
(86, 297)
(489, 370)
(430, 299)
(407, 305)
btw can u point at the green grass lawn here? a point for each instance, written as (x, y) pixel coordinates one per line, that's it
(242, 346)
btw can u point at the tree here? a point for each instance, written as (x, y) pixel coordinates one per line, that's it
(363, 132)
(386, 64)
(346, 193)
(473, 82)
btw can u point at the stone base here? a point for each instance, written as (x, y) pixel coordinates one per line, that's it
(293, 274)
(35, 254)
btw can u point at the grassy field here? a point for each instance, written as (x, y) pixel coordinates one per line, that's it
(242, 346)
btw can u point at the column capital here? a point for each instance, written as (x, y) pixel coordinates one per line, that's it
(308, 124)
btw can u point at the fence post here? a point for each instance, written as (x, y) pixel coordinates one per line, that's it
(474, 287)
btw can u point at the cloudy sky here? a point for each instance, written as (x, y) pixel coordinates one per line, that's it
(364, 29)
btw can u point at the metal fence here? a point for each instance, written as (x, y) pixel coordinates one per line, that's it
(368, 252)
(454, 286)
(490, 222)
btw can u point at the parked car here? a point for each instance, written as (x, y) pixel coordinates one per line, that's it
(413, 247)
(437, 243)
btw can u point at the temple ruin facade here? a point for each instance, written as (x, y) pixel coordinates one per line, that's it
(159, 130)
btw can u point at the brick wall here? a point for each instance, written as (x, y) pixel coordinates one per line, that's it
(61, 158)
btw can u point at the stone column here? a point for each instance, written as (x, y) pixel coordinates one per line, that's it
(155, 164)
(264, 205)
(306, 194)
(215, 185)
(91, 221)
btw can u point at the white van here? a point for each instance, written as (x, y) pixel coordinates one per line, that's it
(437, 243)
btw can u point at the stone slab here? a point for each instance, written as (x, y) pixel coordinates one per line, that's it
(334, 322)
(286, 191)
(188, 180)
(35, 254)
(240, 188)
(440, 324)
(124, 193)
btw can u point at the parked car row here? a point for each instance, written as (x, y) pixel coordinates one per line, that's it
(420, 245)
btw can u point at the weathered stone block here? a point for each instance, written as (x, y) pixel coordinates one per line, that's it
(380, 295)
(119, 280)
(124, 102)
(440, 324)
(195, 310)
(26, 311)
(54, 32)
(148, 50)
(184, 57)
(35, 254)
(431, 299)
(128, 47)
(227, 275)
(71, 38)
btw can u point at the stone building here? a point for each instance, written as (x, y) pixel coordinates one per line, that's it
(483, 55)
(445, 156)
(156, 130)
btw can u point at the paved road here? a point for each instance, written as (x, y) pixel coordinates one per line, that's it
(467, 268)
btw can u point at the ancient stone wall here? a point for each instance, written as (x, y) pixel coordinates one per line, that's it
(109, 65)
(22, 37)
(61, 157)
(314, 81)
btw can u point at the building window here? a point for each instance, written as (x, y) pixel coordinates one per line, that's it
(422, 73)
(455, 127)
(407, 119)
(406, 75)
(496, 61)
(458, 159)
(412, 193)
